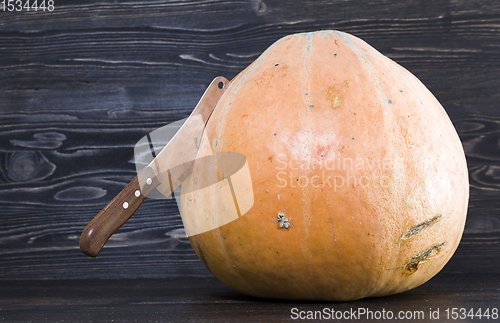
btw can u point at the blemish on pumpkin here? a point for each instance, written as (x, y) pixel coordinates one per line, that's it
(268, 76)
(244, 116)
(389, 101)
(333, 95)
(270, 158)
(311, 106)
(421, 227)
(408, 143)
(412, 265)
(347, 82)
(335, 55)
(322, 150)
(283, 221)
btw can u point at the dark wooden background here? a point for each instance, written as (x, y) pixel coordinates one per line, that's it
(79, 86)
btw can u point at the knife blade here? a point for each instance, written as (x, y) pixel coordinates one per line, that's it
(165, 172)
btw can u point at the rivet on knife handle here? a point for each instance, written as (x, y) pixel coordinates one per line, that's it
(117, 212)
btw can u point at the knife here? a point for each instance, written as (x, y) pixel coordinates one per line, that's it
(166, 172)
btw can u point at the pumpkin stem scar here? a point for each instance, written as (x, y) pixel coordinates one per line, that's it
(412, 265)
(421, 227)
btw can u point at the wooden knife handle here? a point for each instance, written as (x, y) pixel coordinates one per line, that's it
(117, 212)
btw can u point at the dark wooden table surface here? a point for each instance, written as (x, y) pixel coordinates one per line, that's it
(81, 84)
(207, 300)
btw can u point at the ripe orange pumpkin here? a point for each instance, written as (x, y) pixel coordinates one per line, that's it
(359, 178)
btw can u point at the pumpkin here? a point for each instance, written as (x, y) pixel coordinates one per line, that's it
(359, 179)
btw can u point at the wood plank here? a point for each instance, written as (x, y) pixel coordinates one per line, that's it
(207, 300)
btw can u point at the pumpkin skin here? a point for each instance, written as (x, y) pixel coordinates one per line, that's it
(314, 109)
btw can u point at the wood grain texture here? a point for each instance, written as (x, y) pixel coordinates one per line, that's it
(79, 86)
(188, 299)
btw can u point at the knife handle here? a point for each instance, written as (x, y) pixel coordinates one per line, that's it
(117, 212)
